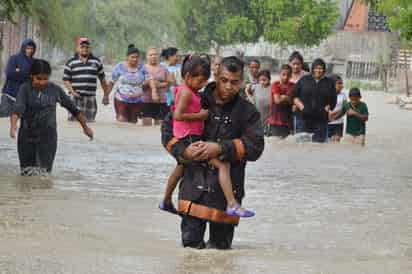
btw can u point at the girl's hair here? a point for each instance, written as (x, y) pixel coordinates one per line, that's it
(40, 66)
(296, 55)
(286, 67)
(196, 65)
(265, 73)
(131, 49)
(169, 52)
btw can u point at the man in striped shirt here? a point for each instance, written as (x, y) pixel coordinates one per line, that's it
(80, 78)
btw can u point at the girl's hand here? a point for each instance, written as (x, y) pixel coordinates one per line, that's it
(88, 132)
(204, 114)
(13, 133)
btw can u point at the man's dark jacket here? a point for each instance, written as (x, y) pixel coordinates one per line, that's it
(237, 127)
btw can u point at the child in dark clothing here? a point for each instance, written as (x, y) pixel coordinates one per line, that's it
(36, 107)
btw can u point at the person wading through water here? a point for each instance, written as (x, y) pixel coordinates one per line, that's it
(233, 134)
(36, 107)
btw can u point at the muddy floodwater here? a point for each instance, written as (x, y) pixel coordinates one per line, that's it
(320, 208)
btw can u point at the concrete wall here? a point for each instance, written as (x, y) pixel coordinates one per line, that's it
(360, 46)
(342, 45)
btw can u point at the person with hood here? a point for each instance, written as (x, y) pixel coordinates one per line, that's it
(17, 73)
(314, 96)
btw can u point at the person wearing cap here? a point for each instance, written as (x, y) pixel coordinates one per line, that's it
(314, 95)
(17, 73)
(131, 77)
(357, 115)
(80, 78)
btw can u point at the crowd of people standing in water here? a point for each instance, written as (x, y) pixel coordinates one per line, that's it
(215, 114)
(298, 101)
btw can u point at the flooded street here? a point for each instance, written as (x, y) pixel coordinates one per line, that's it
(320, 208)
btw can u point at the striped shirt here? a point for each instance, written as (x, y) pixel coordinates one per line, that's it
(83, 76)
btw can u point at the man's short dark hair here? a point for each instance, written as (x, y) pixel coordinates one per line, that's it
(232, 64)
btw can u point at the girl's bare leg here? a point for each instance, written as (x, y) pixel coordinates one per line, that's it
(172, 183)
(225, 181)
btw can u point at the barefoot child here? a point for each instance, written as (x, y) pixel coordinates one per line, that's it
(188, 125)
(357, 116)
(36, 106)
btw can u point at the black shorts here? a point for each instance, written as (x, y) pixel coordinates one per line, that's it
(335, 130)
(157, 111)
(187, 141)
(279, 131)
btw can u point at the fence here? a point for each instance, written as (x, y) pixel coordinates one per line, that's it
(372, 71)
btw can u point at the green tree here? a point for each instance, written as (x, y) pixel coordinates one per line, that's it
(212, 23)
(299, 22)
(10, 8)
(222, 22)
(399, 15)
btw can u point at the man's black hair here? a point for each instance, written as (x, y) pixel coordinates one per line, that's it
(232, 64)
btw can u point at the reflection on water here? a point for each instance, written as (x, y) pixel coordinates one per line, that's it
(320, 208)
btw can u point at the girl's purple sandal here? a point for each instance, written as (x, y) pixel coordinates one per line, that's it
(169, 207)
(235, 211)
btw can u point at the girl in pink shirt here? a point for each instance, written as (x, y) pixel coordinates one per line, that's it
(188, 125)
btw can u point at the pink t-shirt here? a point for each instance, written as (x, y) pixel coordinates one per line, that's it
(159, 74)
(183, 129)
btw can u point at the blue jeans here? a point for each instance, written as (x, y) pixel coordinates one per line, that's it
(319, 129)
